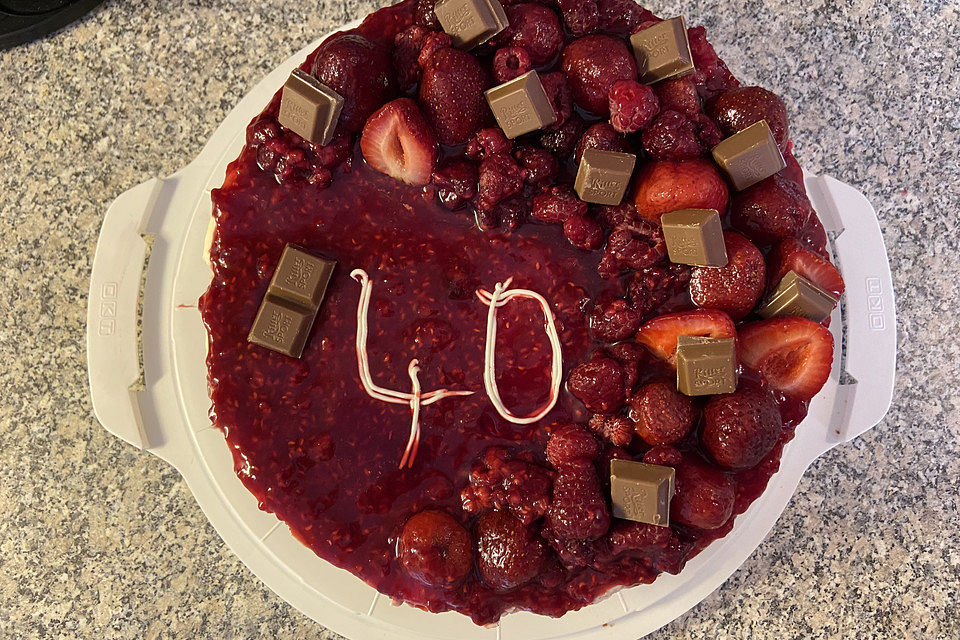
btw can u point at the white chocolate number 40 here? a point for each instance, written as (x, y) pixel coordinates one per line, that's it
(416, 398)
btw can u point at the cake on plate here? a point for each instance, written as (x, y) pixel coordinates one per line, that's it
(514, 304)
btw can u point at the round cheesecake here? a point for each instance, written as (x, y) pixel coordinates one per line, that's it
(510, 311)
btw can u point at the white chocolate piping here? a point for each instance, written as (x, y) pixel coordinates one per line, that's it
(416, 399)
(498, 298)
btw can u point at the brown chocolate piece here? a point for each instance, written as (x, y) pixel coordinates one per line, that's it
(521, 105)
(301, 278)
(694, 236)
(797, 296)
(750, 155)
(470, 22)
(293, 298)
(309, 108)
(662, 51)
(706, 366)
(603, 176)
(641, 492)
(282, 326)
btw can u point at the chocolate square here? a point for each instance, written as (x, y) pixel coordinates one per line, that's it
(797, 296)
(603, 176)
(641, 492)
(309, 108)
(706, 366)
(695, 237)
(470, 22)
(662, 51)
(750, 155)
(282, 326)
(301, 278)
(521, 105)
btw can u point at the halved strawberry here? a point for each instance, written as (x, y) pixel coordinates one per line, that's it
(790, 255)
(660, 334)
(397, 141)
(670, 185)
(793, 354)
(735, 287)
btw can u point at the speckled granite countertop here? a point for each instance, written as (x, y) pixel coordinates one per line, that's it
(98, 540)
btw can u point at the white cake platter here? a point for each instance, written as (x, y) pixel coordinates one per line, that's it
(163, 408)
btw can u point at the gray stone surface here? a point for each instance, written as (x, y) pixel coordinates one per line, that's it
(98, 540)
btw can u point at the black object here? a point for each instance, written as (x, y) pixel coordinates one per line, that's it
(25, 20)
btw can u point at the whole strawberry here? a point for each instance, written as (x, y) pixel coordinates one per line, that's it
(435, 549)
(509, 554)
(771, 210)
(740, 428)
(452, 95)
(670, 185)
(593, 64)
(704, 495)
(737, 109)
(736, 287)
(662, 414)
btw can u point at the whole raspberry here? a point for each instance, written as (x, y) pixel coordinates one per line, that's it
(578, 510)
(563, 140)
(712, 74)
(557, 88)
(424, 16)
(614, 321)
(434, 41)
(536, 29)
(662, 414)
(704, 495)
(557, 204)
(598, 384)
(672, 136)
(580, 16)
(500, 482)
(509, 553)
(600, 136)
(456, 182)
(663, 455)
(488, 142)
(571, 443)
(651, 287)
(617, 214)
(742, 427)
(621, 16)
(632, 246)
(639, 539)
(510, 63)
(632, 105)
(512, 212)
(632, 358)
(263, 129)
(616, 430)
(679, 94)
(336, 153)
(542, 167)
(406, 51)
(573, 554)
(435, 549)
(500, 178)
(583, 232)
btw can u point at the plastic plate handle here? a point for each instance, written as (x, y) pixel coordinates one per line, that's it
(866, 390)
(113, 361)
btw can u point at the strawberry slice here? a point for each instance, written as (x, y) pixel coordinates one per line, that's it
(793, 354)
(397, 141)
(790, 255)
(660, 334)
